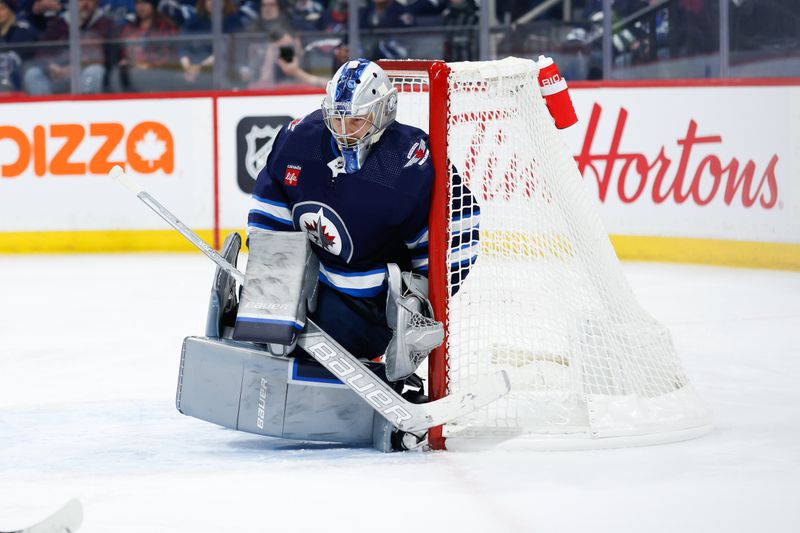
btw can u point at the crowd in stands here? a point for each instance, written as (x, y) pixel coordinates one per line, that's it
(163, 45)
(166, 45)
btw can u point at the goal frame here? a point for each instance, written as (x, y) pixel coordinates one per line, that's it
(438, 237)
(624, 402)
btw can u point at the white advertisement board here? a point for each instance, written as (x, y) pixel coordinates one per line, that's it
(246, 128)
(701, 162)
(55, 157)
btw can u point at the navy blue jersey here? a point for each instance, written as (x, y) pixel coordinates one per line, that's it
(358, 222)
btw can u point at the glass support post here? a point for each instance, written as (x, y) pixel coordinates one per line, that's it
(74, 48)
(724, 38)
(607, 39)
(217, 44)
(353, 37)
(484, 21)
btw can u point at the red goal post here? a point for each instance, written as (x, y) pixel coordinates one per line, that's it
(430, 77)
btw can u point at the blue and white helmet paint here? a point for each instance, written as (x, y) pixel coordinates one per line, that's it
(359, 89)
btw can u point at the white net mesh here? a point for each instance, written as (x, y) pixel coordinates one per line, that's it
(546, 298)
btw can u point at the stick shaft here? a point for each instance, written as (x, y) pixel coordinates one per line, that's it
(191, 236)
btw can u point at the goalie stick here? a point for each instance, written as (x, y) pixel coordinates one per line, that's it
(66, 520)
(378, 394)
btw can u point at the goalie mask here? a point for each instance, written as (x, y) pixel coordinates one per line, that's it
(360, 103)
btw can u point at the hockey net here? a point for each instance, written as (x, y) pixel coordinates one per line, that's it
(546, 298)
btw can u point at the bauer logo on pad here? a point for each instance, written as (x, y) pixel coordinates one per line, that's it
(292, 175)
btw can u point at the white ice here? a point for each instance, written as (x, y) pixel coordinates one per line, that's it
(89, 348)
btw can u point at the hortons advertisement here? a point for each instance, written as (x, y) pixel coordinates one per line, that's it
(696, 162)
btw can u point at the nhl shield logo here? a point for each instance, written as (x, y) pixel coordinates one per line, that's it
(254, 139)
(259, 143)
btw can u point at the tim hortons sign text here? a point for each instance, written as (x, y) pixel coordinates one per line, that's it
(665, 178)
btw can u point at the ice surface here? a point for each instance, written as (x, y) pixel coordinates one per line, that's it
(88, 367)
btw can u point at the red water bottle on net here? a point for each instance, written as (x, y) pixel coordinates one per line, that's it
(555, 93)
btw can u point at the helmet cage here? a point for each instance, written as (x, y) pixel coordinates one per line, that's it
(371, 96)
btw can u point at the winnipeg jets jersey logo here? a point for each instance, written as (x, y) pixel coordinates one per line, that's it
(337, 166)
(418, 154)
(324, 227)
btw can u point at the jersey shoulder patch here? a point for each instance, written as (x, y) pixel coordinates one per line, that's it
(312, 121)
(418, 154)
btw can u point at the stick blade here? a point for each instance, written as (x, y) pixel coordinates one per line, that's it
(66, 520)
(463, 402)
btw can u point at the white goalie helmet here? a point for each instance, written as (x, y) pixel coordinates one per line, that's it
(360, 103)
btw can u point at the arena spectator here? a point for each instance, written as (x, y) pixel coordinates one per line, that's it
(306, 15)
(695, 29)
(334, 18)
(120, 11)
(340, 55)
(261, 69)
(259, 48)
(178, 11)
(146, 65)
(13, 32)
(385, 14)
(461, 44)
(292, 70)
(51, 72)
(381, 15)
(271, 21)
(39, 13)
(197, 57)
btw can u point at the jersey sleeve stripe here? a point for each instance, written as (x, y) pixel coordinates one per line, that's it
(360, 293)
(465, 223)
(419, 263)
(257, 216)
(465, 262)
(466, 251)
(367, 283)
(474, 213)
(268, 226)
(419, 240)
(276, 203)
(374, 272)
(272, 209)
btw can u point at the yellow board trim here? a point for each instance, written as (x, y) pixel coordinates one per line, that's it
(749, 254)
(32, 242)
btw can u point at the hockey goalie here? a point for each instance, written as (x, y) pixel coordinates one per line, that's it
(333, 317)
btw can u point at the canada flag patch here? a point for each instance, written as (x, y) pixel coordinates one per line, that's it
(292, 176)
